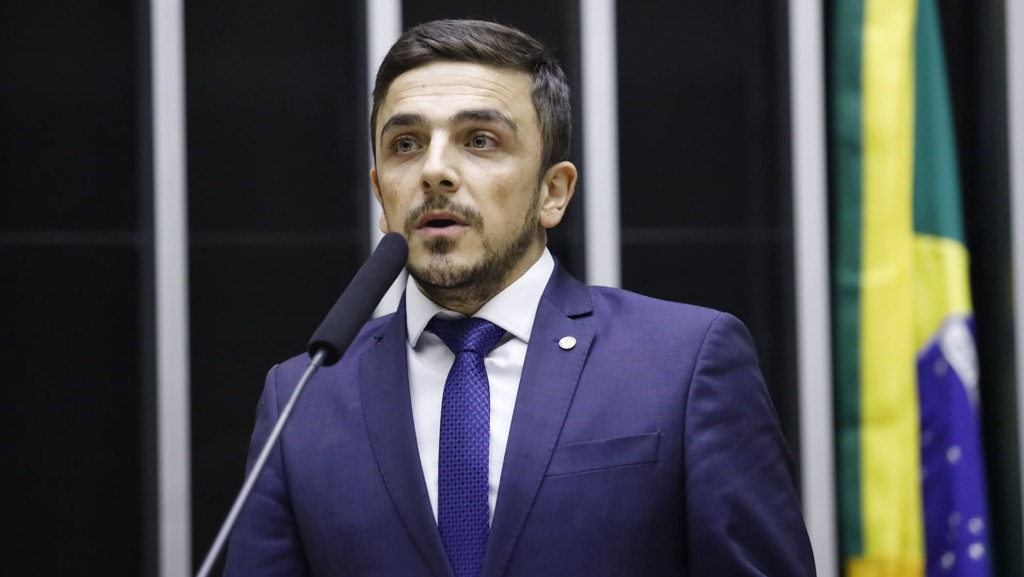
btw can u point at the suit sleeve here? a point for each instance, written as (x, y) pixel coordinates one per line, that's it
(265, 539)
(743, 511)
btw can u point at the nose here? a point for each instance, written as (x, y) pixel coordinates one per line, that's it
(439, 173)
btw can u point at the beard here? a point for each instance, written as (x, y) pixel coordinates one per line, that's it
(451, 284)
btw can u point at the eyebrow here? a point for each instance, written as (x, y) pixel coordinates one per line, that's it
(403, 119)
(410, 119)
(484, 115)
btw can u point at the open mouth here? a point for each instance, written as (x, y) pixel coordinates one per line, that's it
(440, 223)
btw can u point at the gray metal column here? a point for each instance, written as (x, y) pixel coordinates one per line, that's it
(600, 177)
(810, 240)
(1015, 111)
(383, 27)
(174, 525)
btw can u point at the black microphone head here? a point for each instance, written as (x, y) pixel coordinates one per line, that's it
(360, 298)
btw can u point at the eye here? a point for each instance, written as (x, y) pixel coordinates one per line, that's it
(482, 140)
(403, 144)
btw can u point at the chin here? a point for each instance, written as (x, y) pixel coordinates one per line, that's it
(443, 269)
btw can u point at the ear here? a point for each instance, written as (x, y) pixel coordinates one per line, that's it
(556, 191)
(376, 194)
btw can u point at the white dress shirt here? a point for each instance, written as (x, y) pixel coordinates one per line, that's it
(513, 309)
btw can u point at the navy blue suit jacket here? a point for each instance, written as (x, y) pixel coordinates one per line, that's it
(649, 448)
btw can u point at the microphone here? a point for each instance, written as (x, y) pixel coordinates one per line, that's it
(326, 347)
(369, 285)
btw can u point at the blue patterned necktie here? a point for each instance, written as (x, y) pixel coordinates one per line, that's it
(465, 433)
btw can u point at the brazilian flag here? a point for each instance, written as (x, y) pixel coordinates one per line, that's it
(912, 493)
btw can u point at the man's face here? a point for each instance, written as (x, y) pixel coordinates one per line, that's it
(457, 163)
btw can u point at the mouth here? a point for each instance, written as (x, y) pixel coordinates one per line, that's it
(440, 224)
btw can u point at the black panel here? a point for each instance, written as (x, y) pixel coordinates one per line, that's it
(67, 121)
(278, 207)
(70, 339)
(698, 113)
(276, 105)
(71, 450)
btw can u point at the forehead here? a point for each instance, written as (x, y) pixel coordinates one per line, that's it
(440, 89)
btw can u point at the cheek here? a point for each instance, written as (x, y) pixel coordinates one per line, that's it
(506, 193)
(390, 197)
(503, 206)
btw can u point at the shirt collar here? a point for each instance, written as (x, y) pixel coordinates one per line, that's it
(513, 309)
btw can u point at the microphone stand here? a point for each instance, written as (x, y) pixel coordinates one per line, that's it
(243, 495)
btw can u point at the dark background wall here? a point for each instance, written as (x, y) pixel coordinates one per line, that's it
(278, 202)
(74, 243)
(277, 208)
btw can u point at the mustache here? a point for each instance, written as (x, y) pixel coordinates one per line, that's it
(442, 203)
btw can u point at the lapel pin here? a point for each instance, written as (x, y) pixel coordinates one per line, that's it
(567, 343)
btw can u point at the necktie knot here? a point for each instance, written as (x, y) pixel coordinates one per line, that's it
(468, 334)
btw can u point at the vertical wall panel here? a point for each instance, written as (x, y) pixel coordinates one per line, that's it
(277, 209)
(70, 248)
(70, 420)
(67, 116)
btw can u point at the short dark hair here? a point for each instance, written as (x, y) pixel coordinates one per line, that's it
(489, 44)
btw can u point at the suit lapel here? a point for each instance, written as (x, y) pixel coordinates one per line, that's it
(546, 388)
(384, 385)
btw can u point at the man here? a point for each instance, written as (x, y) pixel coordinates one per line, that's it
(620, 435)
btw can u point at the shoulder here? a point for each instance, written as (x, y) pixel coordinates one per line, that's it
(619, 313)
(623, 306)
(680, 330)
